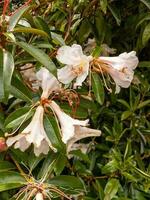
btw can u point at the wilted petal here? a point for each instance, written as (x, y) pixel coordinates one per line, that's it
(65, 75)
(49, 83)
(67, 123)
(70, 55)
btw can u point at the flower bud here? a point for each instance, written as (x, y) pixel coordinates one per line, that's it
(3, 146)
(39, 196)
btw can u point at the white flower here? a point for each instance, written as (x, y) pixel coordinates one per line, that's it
(121, 68)
(72, 129)
(49, 83)
(77, 64)
(34, 134)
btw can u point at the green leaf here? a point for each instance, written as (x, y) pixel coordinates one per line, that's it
(39, 55)
(19, 90)
(126, 114)
(1, 75)
(17, 117)
(84, 30)
(99, 28)
(48, 165)
(123, 102)
(11, 180)
(41, 24)
(31, 30)
(146, 2)
(68, 182)
(100, 190)
(6, 166)
(146, 35)
(6, 71)
(143, 104)
(16, 17)
(103, 5)
(115, 13)
(53, 132)
(111, 189)
(98, 88)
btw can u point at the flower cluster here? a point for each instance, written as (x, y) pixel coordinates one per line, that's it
(76, 69)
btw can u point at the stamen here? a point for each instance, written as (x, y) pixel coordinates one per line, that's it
(109, 89)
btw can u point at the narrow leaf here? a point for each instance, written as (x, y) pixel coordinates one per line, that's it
(39, 55)
(98, 88)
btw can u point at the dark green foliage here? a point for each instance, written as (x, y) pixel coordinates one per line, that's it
(117, 165)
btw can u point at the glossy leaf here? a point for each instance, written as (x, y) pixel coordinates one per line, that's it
(98, 88)
(15, 17)
(39, 55)
(11, 180)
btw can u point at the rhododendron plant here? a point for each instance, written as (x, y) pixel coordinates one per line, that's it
(74, 99)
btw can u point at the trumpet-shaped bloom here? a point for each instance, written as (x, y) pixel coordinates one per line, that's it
(72, 129)
(48, 82)
(121, 68)
(34, 134)
(77, 64)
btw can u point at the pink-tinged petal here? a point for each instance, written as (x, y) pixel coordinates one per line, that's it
(80, 133)
(66, 75)
(49, 83)
(122, 79)
(22, 144)
(11, 140)
(43, 148)
(70, 55)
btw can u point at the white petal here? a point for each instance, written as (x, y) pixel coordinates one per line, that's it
(80, 133)
(82, 76)
(43, 148)
(67, 123)
(49, 82)
(70, 55)
(11, 140)
(22, 144)
(122, 79)
(65, 75)
(128, 60)
(34, 131)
